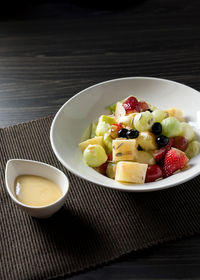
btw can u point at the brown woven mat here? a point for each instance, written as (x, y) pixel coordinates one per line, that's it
(95, 226)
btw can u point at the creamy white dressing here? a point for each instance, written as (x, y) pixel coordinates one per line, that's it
(36, 191)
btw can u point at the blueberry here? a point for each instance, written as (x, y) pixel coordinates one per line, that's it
(123, 133)
(157, 128)
(162, 141)
(132, 133)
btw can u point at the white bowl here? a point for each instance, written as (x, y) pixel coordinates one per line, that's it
(16, 167)
(85, 107)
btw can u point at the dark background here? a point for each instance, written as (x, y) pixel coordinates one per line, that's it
(50, 50)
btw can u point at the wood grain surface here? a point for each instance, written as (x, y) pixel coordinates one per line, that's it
(50, 50)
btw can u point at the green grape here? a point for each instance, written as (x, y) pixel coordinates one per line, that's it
(94, 155)
(108, 143)
(143, 121)
(111, 170)
(187, 131)
(171, 127)
(102, 128)
(193, 149)
(159, 115)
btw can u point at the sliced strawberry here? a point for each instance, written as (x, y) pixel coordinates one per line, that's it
(159, 154)
(130, 104)
(180, 142)
(173, 161)
(143, 106)
(153, 173)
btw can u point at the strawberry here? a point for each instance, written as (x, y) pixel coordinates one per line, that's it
(173, 161)
(159, 154)
(131, 104)
(153, 173)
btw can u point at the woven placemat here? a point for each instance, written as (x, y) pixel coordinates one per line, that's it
(96, 225)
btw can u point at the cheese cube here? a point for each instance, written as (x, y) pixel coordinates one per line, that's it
(131, 172)
(124, 149)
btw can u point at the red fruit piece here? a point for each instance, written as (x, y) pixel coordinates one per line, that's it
(102, 168)
(153, 173)
(118, 126)
(173, 161)
(130, 104)
(180, 142)
(143, 106)
(131, 112)
(159, 154)
(109, 157)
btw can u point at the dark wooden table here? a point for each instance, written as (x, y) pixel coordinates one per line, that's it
(51, 50)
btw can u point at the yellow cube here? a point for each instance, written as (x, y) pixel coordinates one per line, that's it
(131, 172)
(124, 149)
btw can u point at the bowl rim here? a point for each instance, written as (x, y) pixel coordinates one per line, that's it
(124, 187)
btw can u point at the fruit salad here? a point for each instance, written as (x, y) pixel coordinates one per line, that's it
(139, 143)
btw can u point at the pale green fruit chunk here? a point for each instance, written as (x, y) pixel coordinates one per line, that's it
(108, 143)
(104, 124)
(111, 170)
(107, 119)
(94, 155)
(143, 121)
(152, 107)
(96, 140)
(128, 120)
(187, 131)
(193, 149)
(112, 107)
(171, 127)
(93, 130)
(147, 141)
(159, 115)
(102, 128)
(145, 157)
